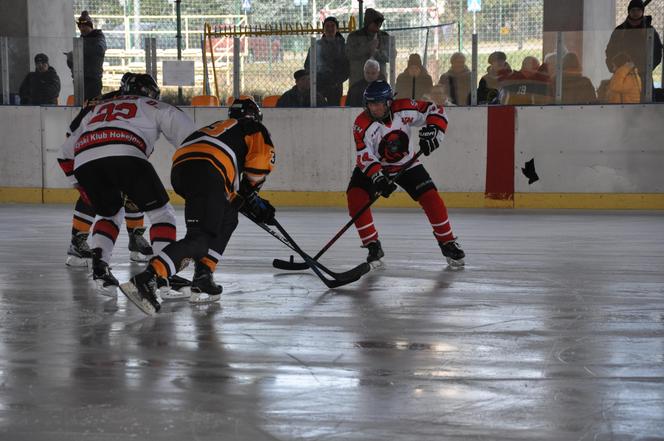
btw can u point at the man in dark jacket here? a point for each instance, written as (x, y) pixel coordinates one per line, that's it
(94, 50)
(300, 94)
(41, 86)
(331, 62)
(355, 96)
(630, 37)
(368, 42)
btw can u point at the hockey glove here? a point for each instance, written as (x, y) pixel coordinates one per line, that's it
(429, 139)
(382, 184)
(84, 196)
(258, 208)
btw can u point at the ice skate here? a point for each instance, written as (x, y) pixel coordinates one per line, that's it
(203, 287)
(79, 255)
(174, 288)
(375, 254)
(141, 290)
(105, 281)
(139, 248)
(453, 253)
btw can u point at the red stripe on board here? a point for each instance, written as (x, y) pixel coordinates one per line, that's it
(500, 153)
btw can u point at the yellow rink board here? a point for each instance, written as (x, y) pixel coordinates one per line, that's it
(591, 201)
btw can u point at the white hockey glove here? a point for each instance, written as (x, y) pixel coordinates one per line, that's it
(429, 139)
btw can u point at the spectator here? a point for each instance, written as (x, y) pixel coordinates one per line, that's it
(527, 86)
(438, 96)
(414, 81)
(300, 94)
(41, 86)
(94, 50)
(365, 43)
(577, 89)
(331, 62)
(625, 86)
(457, 80)
(630, 37)
(372, 73)
(499, 68)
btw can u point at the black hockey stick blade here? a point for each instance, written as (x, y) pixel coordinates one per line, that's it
(289, 265)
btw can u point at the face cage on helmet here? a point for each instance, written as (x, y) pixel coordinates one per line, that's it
(388, 109)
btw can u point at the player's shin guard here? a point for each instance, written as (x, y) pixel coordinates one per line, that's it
(105, 233)
(162, 229)
(358, 198)
(435, 209)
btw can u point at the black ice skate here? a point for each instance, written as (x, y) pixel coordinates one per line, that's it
(203, 288)
(141, 290)
(453, 253)
(139, 248)
(174, 288)
(375, 253)
(101, 274)
(79, 254)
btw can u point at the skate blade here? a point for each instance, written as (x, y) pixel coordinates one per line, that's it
(131, 292)
(376, 264)
(455, 263)
(170, 294)
(78, 262)
(202, 297)
(138, 257)
(108, 290)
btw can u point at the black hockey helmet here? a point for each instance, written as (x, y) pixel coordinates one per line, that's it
(245, 107)
(139, 84)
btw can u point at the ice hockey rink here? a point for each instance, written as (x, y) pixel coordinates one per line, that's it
(554, 330)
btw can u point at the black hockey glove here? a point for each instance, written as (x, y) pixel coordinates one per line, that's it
(382, 184)
(429, 139)
(258, 208)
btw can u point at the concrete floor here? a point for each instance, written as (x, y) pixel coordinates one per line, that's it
(553, 331)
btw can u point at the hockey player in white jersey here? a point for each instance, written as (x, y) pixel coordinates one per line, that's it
(381, 135)
(106, 158)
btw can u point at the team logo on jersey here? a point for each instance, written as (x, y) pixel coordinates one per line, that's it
(407, 120)
(394, 146)
(357, 129)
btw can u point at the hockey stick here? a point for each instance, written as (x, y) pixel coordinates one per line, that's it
(338, 279)
(296, 266)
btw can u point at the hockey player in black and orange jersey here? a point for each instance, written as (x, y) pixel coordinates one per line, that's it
(213, 165)
(381, 135)
(106, 158)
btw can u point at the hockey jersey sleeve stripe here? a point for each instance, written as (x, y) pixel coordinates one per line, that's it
(67, 166)
(373, 169)
(437, 120)
(257, 171)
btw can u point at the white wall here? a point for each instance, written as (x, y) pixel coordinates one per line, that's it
(596, 149)
(576, 149)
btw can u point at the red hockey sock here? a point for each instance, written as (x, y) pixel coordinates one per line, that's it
(435, 209)
(357, 198)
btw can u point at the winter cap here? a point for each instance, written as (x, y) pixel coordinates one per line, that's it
(84, 19)
(41, 58)
(332, 19)
(636, 4)
(373, 16)
(300, 73)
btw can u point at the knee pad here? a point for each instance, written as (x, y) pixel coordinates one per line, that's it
(162, 215)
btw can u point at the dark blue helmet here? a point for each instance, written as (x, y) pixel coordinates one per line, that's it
(378, 91)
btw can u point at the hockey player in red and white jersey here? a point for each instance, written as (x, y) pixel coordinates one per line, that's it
(106, 158)
(381, 135)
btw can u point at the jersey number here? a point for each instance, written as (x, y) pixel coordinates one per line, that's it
(112, 111)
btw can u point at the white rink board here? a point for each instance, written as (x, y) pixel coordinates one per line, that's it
(593, 149)
(21, 147)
